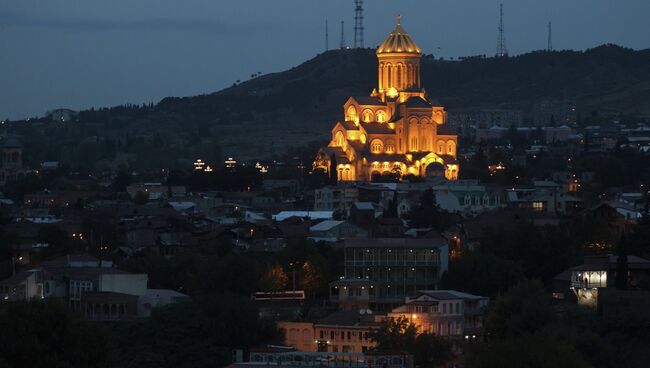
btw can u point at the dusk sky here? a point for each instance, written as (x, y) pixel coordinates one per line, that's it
(85, 53)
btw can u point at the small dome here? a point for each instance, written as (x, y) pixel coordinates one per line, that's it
(399, 41)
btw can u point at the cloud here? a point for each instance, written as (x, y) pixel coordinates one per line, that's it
(200, 25)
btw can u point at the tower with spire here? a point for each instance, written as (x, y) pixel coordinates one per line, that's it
(397, 130)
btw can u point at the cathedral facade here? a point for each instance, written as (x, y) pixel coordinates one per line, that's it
(398, 129)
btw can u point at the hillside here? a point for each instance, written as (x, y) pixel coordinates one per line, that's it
(263, 116)
(300, 104)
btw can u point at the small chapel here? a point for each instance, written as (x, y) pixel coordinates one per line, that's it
(398, 129)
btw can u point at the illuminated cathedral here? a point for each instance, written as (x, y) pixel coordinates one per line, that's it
(398, 129)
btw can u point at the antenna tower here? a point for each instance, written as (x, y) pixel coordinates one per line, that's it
(342, 34)
(502, 51)
(549, 47)
(327, 36)
(358, 24)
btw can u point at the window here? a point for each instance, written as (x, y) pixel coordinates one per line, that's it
(381, 116)
(367, 115)
(538, 206)
(444, 308)
(376, 146)
(451, 148)
(339, 139)
(390, 148)
(352, 114)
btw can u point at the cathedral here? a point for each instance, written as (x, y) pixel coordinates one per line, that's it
(398, 129)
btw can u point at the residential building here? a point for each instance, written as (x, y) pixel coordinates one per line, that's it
(447, 313)
(380, 272)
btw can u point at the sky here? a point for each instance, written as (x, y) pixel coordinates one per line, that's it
(96, 53)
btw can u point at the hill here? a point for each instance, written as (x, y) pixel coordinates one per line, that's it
(263, 116)
(300, 104)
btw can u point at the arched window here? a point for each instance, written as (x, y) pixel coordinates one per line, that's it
(389, 76)
(399, 76)
(367, 115)
(451, 148)
(339, 139)
(414, 144)
(352, 114)
(376, 146)
(390, 148)
(381, 116)
(362, 138)
(409, 78)
(424, 120)
(441, 148)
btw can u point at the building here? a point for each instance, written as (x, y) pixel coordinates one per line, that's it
(447, 313)
(11, 160)
(340, 332)
(380, 272)
(398, 129)
(281, 356)
(333, 230)
(335, 198)
(22, 286)
(467, 197)
(599, 272)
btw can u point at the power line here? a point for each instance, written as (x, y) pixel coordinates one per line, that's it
(502, 51)
(358, 24)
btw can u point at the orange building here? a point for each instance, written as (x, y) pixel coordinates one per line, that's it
(397, 129)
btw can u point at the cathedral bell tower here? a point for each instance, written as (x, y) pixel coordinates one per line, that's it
(399, 65)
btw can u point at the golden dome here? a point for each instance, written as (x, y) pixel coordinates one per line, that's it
(399, 41)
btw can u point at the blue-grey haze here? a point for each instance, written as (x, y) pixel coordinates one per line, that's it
(84, 53)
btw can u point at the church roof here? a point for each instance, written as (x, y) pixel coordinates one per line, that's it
(377, 128)
(416, 102)
(398, 41)
(449, 160)
(446, 130)
(358, 146)
(382, 157)
(369, 100)
(349, 125)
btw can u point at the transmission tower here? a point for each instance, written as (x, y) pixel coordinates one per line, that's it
(549, 47)
(502, 51)
(358, 24)
(327, 36)
(342, 34)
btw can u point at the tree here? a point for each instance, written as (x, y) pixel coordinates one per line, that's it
(523, 309)
(481, 273)
(401, 335)
(333, 171)
(395, 334)
(527, 351)
(431, 351)
(274, 279)
(197, 333)
(314, 275)
(621, 265)
(45, 334)
(141, 198)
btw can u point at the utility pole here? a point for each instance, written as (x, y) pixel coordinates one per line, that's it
(358, 24)
(549, 47)
(342, 34)
(502, 50)
(327, 36)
